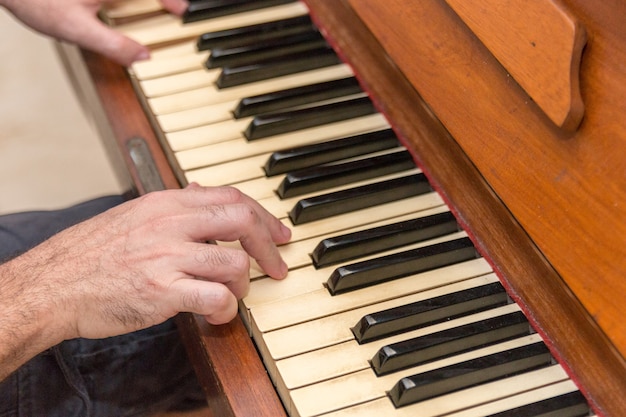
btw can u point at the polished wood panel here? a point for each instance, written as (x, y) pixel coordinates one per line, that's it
(540, 44)
(451, 152)
(567, 191)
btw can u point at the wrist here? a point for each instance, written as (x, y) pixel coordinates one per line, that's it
(29, 323)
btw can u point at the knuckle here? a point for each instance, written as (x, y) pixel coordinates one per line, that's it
(232, 194)
(216, 255)
(211, 255)
(204, 301)
(193, 301)
(214, 211)
(152, 205)
(241, 261)
(247, 216)
(221, 298)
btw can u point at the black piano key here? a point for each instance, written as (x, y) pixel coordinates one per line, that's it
(572, 404)
(398, 265)
(420, 350)
(352, 199)
(292, 159)
(346, 247)
(245, 35)
(467, 374)
(265, 50)
(291, 64)
(323, 177)
(428, 312)
(209, 9)
(298, 96)
(272, 124)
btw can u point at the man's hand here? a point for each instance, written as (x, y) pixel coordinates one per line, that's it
(144, 261)
(134, 266)
(76, 21)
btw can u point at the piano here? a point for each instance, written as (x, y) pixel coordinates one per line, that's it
(478, 270)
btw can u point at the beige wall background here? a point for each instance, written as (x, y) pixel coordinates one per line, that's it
(50, 155)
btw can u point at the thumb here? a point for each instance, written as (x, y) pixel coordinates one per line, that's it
(212, 300)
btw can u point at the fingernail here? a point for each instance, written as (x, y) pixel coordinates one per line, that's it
(284, 269)
(143, 55)
(285, 231)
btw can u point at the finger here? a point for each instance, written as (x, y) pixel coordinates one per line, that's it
(203, 197)
(228, 266)
(176, 7)
(237, 222)
(110, 43)
(212, 300)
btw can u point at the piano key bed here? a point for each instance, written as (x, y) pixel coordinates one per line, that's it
(388, 309)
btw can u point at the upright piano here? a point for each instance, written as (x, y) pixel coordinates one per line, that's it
(462, 250)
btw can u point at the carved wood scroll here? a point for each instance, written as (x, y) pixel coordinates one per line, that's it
(540, 44)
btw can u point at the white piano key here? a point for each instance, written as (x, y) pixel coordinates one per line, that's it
(296, 253)
(365, 216)
(155, 68)
(186, 100)
(519, 400)
(311, 233)
(207, 135)
(176, 83)
(364, 386)
(241, 148)
(450, 403)
(230, 172)
(206, 132)
(126, 9)
(265, 187)
(280, 207)
(197, 116)
(348, 357)
(300, 310)
(167, 28)
(260, 188)
(166, 53)
(309, 279)
(211, 94)
(335, 329)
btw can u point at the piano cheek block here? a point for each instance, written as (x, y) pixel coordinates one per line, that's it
(374, 271)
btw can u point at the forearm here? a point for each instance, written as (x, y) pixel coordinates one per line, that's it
(28, 323)
(134, 266)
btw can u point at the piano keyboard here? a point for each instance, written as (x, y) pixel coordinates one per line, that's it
(387, 309)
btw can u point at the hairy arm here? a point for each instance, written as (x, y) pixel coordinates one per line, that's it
(28, 320)
(135, 266)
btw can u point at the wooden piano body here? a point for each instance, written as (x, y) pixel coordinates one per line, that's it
(544, 204)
